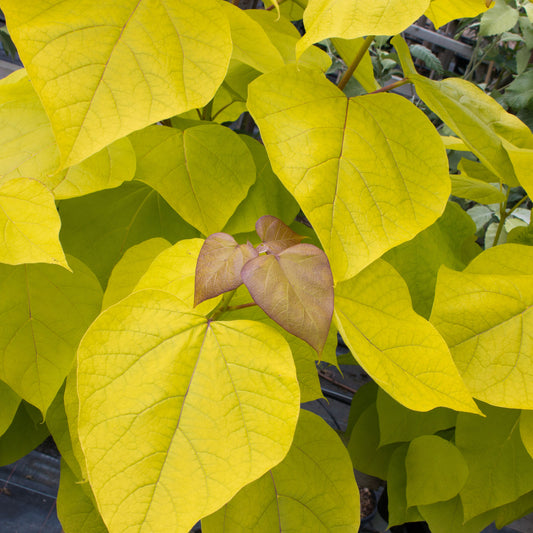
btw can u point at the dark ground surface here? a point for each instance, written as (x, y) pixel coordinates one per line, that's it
(28, 488)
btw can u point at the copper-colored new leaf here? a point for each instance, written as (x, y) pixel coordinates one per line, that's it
(294, 288)
(219, 265)
(276, 235)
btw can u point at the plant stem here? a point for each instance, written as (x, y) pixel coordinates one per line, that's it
(335, 382)
(517, 204)
(503, 216)
(206, 112)
(223, 307)
(270, 8)
(392, 86)
(355, 63)
(242, 306)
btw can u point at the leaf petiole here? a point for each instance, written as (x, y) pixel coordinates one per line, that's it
(355, 63)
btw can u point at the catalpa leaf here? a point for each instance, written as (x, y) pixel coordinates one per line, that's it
(441, 12)
(369, 172)
(76, 508)
(317, 461)
(28, 147)
(251, 44)
(526, 430)
(10, 401)
(219, 266)
(130, 269)
(100, 227)
(398, 348)
(148, 60)
(173, 270)
(203, 172)
(295, 289)
(350, 19)
(276, 235)
(484, 318)
(449, 241)
(29, 224)
(163, 453)
(266, 195)
(484, 126)
(501, 470)
(45, 310)
(436, 470)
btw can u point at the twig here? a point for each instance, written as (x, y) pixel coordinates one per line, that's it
(355, 63)
(392, 86)
(335, 382)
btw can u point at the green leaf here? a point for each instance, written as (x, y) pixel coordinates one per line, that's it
(398, 424)
(30, 224)
(106, 169)
(214, 420)
(57, 423)
(131, 267)
(526, 430)
(76, 509)
(519, 93)
(399, 513)
(350, 19)
(304, 356)
(284, 36)
(295, 288)
(45, 311)
(483, 317)
(398, 348)
(175, 163)
(360, 202)
(29, 149)
(266, 195)
(251, 44)
(317, 461)
(100, 227)
(292, 9)
(219, 266)
(514, 510)
(365, 396)
(506, 259)
(174, 271)
(444, 517)
(464, 186)
(449, 241)
(72, 407)
(10, 401)
(522, 159)
(440, 12)
(436, 470)
(473, 115)
(25, 433)
(364, 449)
(476, 170)
(501, 18)
(501, 470)
(148, 60)
(364, 73)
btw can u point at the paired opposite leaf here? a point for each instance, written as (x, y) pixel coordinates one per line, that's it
(275, 235)
(220, 414)
(369, 172)
(29, 224)
(219, 266)
(148, 60)
(312, 489)
(398, 348)
(295, 288)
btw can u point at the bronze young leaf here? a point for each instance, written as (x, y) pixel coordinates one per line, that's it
(276, 235)
(295, 289)
(219, 265)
